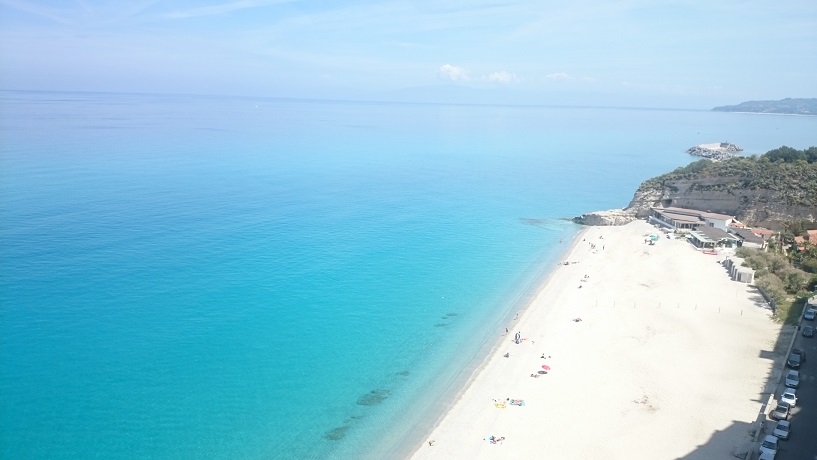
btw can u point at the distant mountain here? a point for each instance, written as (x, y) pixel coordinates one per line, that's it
(787, 106)
(473, 95)
(447, 94)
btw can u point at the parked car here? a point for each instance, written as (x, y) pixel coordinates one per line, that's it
(808, 331)
(769, 445)
(782, 429)
(781, 411)
(789, 396)
(810, 314)
(800, 353)
(766, 456)
(793, 379)
(793, 361)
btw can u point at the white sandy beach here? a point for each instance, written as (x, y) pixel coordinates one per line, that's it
(667, 361)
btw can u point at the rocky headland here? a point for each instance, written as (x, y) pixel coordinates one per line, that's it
(778, 186)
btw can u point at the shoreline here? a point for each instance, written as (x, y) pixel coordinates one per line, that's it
(484, 353)
(582, 358)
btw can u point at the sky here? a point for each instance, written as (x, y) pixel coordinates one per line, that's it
(637, 53)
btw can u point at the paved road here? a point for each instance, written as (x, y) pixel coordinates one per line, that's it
(802, 444)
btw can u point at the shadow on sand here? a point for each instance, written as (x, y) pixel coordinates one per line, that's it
(802, 444)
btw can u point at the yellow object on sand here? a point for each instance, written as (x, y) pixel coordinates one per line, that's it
(499, 405)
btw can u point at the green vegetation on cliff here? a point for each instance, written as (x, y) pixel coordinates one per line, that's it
(790, 173)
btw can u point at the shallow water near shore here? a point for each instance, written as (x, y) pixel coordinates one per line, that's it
(187, 277)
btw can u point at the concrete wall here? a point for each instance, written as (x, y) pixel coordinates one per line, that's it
(737, 271)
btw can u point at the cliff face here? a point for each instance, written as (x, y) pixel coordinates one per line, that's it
(780, 185)
(726, 195)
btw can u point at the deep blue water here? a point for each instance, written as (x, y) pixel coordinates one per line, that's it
(193, 277)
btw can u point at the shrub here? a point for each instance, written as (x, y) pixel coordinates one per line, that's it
(773, 286)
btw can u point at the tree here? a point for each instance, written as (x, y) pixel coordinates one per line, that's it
(756, 261)
(786, 154)
(811, 154)
(794, 280)
(809, 264)
(777, 263)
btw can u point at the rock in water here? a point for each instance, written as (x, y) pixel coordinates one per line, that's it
(716, 151)
(606, 218)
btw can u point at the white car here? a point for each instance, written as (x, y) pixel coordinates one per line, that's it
(810, 314)
(766, 456)
(790, 396)
(769, 445)
(782, 429)
(781, 411)
(793, 379)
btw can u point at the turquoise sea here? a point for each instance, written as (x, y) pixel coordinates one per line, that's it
(192, 277)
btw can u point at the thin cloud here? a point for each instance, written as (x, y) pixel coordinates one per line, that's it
(36, 10)
(452, 72)
(559, 76)
(223, 8)
(502, 77)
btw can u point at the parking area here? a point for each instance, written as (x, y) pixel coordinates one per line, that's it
(802, 415)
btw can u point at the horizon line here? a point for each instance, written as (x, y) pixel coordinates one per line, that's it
(351, 100)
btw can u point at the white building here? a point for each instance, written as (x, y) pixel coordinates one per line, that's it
(689, 219)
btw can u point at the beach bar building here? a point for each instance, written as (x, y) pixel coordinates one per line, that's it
(689, 219)
(711, 238)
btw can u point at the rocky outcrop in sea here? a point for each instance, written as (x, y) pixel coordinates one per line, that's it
(606, 218)
(716, 151)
